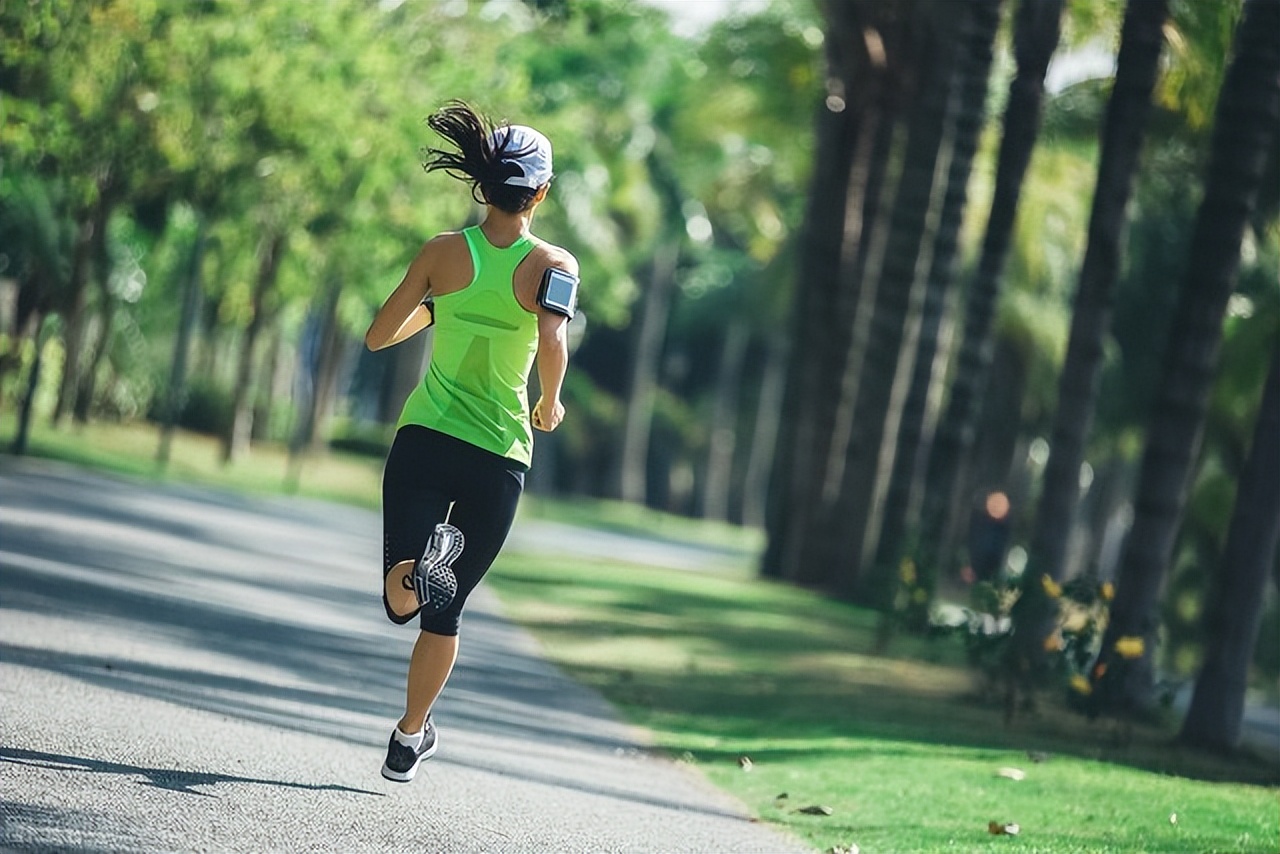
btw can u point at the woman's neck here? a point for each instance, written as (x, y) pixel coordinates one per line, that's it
(503, 229)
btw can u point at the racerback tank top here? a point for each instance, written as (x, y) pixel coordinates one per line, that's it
(476, 387)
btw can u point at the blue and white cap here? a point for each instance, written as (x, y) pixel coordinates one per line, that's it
(527, 149)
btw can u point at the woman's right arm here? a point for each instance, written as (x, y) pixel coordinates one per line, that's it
(403, 315)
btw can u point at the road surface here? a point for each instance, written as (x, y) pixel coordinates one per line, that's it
(187, 670)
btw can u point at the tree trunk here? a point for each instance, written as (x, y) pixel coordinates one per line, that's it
(764, 435)
(853, 135)
(828, 302)
(264, 399)
(898, 483)
(239, 434)
(1136, 70)
(917, 205)
(309, 430)
(21, 440)
(1036, 32)
(724, 423)
(645, 359)
(1239, 586)
(1244, 132)
(86, 386)
(74, 315)
(176, 393)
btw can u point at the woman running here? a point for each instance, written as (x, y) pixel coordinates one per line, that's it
(463, 443)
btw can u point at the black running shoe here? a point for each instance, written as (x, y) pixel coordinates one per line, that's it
(403, 760)
(432, 579)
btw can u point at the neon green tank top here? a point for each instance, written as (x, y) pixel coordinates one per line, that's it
(476, 387)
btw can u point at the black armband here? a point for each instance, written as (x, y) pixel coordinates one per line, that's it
(558, 292)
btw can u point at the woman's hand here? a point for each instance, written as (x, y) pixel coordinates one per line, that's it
(547, 417)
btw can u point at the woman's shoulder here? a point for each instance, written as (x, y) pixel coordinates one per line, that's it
(444, 241)
(549, 255)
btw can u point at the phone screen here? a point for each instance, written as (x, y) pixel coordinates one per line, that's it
(561, 292)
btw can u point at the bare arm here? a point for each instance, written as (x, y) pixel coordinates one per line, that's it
(553, 361)
(403, 315)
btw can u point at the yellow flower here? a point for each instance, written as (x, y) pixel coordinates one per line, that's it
(1108, 591)
(1051, 588)
(1081, 685)
(1130, 647)
(1053, 642)
(908, 572)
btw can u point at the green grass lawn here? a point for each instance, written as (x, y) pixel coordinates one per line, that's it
(723, 667)
(900, 748)
(130, 449)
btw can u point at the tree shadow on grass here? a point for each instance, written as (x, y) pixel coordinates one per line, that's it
(824, 698)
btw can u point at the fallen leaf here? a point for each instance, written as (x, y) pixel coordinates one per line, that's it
(744, 762)
(1012, 773)
(816, 810)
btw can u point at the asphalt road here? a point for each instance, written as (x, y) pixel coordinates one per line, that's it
(187, 670)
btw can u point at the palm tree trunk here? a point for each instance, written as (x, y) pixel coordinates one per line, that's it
(1235, 610)
(855, 127)
(899, 292)
(1136, 70)
(1036, 33)
(1245, 130)
(898, 483)
(816, 286)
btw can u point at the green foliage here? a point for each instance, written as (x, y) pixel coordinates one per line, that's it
(1080, 612)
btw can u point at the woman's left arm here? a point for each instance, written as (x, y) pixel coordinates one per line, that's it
(403, 315)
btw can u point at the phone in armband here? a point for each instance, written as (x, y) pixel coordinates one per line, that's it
(559, 292)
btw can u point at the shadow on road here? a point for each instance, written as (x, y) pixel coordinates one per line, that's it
(222, 624)
(162, 778)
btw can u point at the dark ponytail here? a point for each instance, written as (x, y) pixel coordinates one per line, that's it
(477, 161)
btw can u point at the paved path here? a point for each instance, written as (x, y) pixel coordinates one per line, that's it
(186, 670)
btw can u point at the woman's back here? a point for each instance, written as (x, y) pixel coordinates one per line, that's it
(476, 386)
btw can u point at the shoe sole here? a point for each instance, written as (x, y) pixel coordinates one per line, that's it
(423, 569)
(407, 776)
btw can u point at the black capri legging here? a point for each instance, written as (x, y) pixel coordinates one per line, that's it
(431, 477)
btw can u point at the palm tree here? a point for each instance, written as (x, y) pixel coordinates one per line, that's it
(1136, 70)
(1235, 609)
(1036, 32)
(896, 285)
(1244, 134)
(903, 481)
(849, 127)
